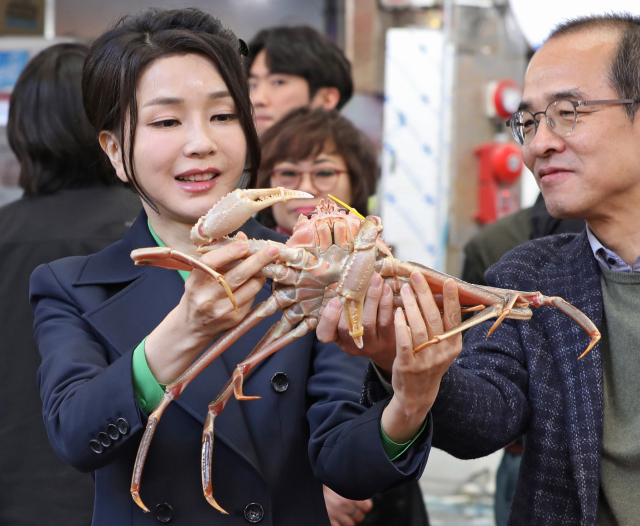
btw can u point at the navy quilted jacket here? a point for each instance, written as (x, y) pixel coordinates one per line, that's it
(525, 379)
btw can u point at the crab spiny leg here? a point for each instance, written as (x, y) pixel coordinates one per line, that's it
(576, 315)
(234, 386)
(491, 312)
(164, 257)
(175, 389)
(509, 302)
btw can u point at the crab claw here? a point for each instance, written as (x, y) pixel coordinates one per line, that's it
(234, 209)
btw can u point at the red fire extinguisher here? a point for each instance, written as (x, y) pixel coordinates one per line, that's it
(500, 168)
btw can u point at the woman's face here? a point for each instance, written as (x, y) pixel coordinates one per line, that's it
(286, 214)
(189, 149)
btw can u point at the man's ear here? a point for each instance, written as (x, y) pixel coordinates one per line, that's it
(111, 147)
(326, 98)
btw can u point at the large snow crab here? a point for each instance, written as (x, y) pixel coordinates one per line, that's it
(333, 251)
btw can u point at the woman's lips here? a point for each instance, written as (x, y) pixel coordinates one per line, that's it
(197, 186)
(304, 210)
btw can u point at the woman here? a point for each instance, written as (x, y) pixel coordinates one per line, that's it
(321, 152)
(73, 205)
(168, 93)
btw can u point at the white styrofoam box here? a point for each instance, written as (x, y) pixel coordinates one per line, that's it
(417, 107)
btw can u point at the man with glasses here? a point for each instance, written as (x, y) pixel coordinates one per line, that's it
(581, 139)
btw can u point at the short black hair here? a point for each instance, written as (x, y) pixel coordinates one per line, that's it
(47, 128)
(118, 58)
(624, 72)
(304, 134)
(304, 52)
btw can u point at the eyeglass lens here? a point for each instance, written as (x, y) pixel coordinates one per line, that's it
(560, 115)
(324, 180)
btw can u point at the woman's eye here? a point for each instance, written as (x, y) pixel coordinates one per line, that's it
(289, 173)
(224, 117)
(326, 173)
(278, 82)
(167, 123)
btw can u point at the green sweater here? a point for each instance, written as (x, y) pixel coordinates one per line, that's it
(619, 504)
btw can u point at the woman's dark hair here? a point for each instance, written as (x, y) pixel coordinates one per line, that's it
(304, 134)
(118, 58)
(48, 130)
(304, 52)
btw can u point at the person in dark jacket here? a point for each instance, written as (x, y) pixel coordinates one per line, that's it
(72, 205)
(168, 94)
(481, 252)
(580, 133)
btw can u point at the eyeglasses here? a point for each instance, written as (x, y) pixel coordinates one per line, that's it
(561, 116)
(323, 179)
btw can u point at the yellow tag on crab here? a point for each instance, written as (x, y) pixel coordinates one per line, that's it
(347, 206)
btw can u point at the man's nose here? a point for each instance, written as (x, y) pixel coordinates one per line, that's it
(545, 140)
(259, 95)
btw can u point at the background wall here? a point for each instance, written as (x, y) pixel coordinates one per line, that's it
(87, 19)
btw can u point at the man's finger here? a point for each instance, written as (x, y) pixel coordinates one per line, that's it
(452, 317)
(419, 334)
(404, 344)
(327, 329)
(430, 311)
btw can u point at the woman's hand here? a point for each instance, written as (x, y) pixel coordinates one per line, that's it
(205, 311)
(345, 512)
(416, 377)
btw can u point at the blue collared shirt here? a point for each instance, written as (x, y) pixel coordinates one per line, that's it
(608, 258)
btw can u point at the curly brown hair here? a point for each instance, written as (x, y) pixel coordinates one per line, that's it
(305, 133)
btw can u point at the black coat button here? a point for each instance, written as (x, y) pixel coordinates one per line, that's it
(164, 512)
(104, 439)
(280, 382)
(113, 432)
(96, 446)
(254, 512)
(123, 426)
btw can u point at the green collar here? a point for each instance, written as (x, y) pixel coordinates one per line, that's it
(184, 274)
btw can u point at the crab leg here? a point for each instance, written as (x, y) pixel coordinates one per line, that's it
(270, 344)
(175, 389)
(491, 312)
(165, 257)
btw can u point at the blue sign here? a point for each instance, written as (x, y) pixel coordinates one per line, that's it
(11, 65)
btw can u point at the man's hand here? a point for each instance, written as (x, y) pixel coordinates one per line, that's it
(377, 322)
(416, 377)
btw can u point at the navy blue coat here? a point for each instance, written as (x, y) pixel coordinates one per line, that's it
(92, 312)
(525, 379)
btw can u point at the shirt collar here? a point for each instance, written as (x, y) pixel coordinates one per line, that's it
(608, 258)
(184, 274)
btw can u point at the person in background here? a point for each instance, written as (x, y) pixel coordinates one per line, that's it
(321, 152)
(290, 67)
(73, 205)
(481, 252)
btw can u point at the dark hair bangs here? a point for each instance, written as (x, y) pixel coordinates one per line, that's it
(120, 57)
